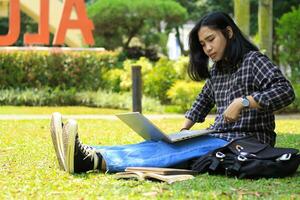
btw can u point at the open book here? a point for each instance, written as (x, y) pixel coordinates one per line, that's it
(169, 175)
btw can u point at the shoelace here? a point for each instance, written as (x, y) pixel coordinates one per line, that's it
(89, 152)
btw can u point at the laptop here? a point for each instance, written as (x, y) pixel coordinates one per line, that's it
(147, 130)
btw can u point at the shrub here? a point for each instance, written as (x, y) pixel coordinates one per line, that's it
(37, 97)
(288, 40)
(82, 70)
(112, 80)
(160, 79)
(146, 67)
(106, 99)
(184, 93)
(181, 66)
(60, 97)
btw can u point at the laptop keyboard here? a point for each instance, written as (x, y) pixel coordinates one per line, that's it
(180, 135)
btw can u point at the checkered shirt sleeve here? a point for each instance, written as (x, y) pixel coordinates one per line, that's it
(275, 91)
(203, 104)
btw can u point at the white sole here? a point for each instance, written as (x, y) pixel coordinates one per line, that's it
(72, 132)
(57, 139)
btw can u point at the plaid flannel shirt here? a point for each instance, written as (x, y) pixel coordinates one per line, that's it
(255, 76)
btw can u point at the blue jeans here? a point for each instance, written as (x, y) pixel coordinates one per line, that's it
(157, 154)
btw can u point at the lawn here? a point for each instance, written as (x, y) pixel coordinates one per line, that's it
(29, 169)
(67, 110)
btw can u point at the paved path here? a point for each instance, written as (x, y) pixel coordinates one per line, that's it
(113, 117)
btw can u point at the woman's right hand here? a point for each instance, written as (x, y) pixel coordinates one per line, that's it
(187, 124)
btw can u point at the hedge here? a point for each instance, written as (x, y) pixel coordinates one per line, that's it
(37, 69)
(71, 97)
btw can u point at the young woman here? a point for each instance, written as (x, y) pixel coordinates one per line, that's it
(243, 84)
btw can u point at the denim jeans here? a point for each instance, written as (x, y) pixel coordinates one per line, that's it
(157, 154)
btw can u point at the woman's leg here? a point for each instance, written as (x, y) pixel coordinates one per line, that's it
(157, 154)
(80, 158)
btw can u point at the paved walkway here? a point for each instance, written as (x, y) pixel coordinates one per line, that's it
(113, 117)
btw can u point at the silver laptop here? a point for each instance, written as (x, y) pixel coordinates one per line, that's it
(145, 128)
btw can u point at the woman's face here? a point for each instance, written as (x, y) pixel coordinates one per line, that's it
(213, 43)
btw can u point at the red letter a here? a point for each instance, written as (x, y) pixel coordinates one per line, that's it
(14, 24)
(83, 23)
(43, 36)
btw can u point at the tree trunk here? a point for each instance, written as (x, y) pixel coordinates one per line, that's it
(242, 15)
(132, 33)
(265, 26)
(178, 39)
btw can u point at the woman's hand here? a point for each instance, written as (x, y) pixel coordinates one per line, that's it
(233, 111)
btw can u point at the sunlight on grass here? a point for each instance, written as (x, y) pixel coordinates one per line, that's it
(29, 169)
(67, 110)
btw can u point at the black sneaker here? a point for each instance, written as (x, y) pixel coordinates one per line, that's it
(79, 157)
(58, 138)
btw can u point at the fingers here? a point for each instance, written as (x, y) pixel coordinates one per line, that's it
(228, 119)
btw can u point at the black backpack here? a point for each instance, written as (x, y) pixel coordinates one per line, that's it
(248, 158)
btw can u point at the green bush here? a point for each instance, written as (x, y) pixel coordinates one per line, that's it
(146, 67)
(112, 80)
(60, 97)
(184, 93)
(288, 41)
(81, 70)
(181, 66)
(159, 80)
(106, 99)
(37, 97)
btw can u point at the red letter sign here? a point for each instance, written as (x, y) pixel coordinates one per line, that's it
(83, 23)
(14, 24)
(43, 36)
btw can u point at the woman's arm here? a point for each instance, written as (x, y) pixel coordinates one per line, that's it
(232, 113)
(201, 107)
(274, 90)
(187, 124)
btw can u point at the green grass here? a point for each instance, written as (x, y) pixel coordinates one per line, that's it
(67, 110)
(29, 169)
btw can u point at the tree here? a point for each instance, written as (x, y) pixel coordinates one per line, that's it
(28, 25)
(242, 15)
(117, 22)
(198, 8)
(288, 41)
(265, 24)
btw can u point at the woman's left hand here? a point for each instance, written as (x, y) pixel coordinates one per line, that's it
(233, 111)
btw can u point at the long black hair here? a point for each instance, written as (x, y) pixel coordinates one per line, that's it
(236, 47)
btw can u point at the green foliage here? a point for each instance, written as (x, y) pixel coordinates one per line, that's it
(37, 97)
(184, 93)
(146, 67)
(117, 22)
(198, 8)
(181, 66)
(289, 39)
(82, 70)
(112, 80)
(160, 79)
(59, 97)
